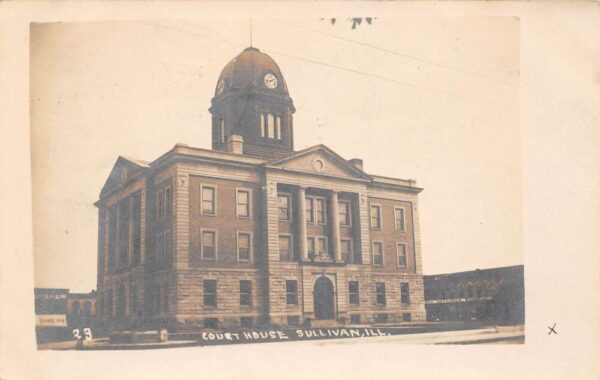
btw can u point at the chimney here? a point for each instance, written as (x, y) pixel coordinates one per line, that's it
(235, 144)
(357, 163)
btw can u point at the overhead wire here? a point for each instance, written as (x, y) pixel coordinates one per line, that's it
(396, 53)
(347, 69)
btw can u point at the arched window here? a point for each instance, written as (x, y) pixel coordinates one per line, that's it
(222, 131)
(75, 308)
(87, 308)
(278, 128)
(270, 126)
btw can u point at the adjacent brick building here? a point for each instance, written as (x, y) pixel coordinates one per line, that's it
(253, 232)
(495, 295)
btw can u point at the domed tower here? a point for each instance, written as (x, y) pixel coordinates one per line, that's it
(252, 101)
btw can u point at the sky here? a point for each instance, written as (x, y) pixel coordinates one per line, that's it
(431, 99)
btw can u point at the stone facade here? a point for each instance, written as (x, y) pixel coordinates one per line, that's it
(219, 239)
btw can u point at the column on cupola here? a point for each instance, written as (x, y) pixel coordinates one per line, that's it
(335, 225)
(302, 237)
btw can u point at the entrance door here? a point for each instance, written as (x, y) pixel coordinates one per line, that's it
(323, 293)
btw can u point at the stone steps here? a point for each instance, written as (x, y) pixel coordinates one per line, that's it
(316, 323)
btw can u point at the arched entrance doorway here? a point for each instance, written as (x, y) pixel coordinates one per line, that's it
(323, 294)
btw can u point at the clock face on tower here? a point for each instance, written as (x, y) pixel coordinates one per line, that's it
(270, 81)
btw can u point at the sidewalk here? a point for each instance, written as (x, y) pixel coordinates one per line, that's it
(496, 335)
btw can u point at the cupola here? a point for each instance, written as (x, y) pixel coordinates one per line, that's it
(252, 101)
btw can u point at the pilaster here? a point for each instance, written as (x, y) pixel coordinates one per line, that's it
(364, 228)
(301, 195)
(335, 226)
(181, 225)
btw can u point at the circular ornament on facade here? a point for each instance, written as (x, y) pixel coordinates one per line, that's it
(318, 165)
(270, 81)
(220, 87)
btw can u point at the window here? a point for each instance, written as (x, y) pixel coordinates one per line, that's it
(353, 293)
(157, 298)
(246, 322)
(159, 248)
(283, 201)
(168, 203)
(310, 217)
(285, 248)
(320, 208)
(211, 323)
(278, 128)
(165, 299)
(376, 217)
(322, 245)
(291, 292)
(168, 246)
(399, 218)
(270, 126)
(160, 205)
(244, 242)
(381, 318)
(221, 131)
(210, 292)
(243, 203)
(245, 292)
(380, 293)
(164, 204)
(133, 300)
(208, 200)
(377, 253)
(137, 227)
(404, 293)
(109, 303)
(121, 305)
(401, 252)
(209, 245)
(75, 308)
(112, 237)
(345, 215)
(355, 319)
(406, 317)
(157, 291)
(310, 246)
(163, 247)
(87, 308)
(293, 320)
(346, 247)
(123, 211)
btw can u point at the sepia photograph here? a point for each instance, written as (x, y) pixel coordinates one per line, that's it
(265, 180)
(300, 190)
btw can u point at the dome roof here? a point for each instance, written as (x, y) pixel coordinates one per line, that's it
(248, 70)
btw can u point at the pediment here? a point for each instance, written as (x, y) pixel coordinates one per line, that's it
(123, 170)
(319, 160)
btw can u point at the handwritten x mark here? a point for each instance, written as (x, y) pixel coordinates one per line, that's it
(552, 330)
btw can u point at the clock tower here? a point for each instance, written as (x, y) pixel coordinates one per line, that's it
(252, 108)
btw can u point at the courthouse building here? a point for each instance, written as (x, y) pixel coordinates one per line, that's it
(253, 232)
